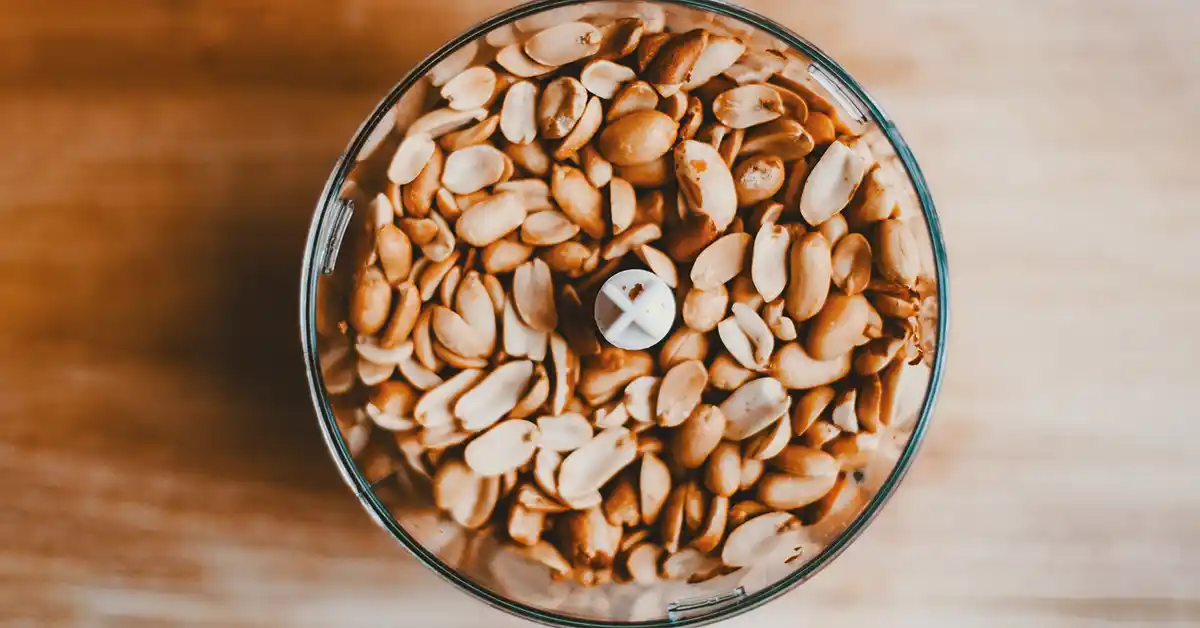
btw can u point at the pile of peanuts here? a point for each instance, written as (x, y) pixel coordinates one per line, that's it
(545, 162)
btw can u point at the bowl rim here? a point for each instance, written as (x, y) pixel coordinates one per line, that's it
(363, 489)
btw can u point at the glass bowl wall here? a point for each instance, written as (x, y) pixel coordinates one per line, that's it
(400, 500)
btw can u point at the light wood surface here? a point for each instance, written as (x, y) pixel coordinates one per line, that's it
(160, 459)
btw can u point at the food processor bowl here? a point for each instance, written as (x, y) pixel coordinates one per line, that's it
(399, 497)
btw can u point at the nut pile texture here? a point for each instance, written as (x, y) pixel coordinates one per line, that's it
(567, 155)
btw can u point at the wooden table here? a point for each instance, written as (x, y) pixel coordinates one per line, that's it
(160, 459)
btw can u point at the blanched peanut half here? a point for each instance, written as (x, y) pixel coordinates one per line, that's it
(784, 138)
(668, 67)
(453, 483)
(395, 252)
(843, 412)
(411, 156)
(547, 228)
(785, 491)
(722, 474)
(504, 255)
(680, 392)
(868, 402)
(794, 105)
(720, 261)
(525, 525)
(413, 371)
(433, 274)
(603, 77)
(506, 446)
(703, 309)
(783, 327)
(851, 263)
(417, 197)
(579, 200)
(798, 370)
(371, 302)
(520, 340)
(433, 410)
(634, 96)
(684, 344)
(674, 105)
(518, 115)
(658, 263)
(491, 219)
(441, 247)
(513, 58)
(456, 335)
(878, 196)
(747, 337)
(566, 376)
(811, 271)
(574, 259)
(820, 127)
(762, 538)
(621, 505)
(706, 182)
(531, 157)
(637, 138)
(832, 183)
(652, 174)
(654, 484)
(718, 56)
(494, 396)
(403, 318)
(639, 398)
(821, 433)
(876, 355)
(853, 450)
(758, 178)
(693, 506)
(474, 304)
(564, 43)
(769, 263)
(561, 106)
(754, 406)
(597, 169)
(534, 193)
(768, 443)
(631, 239)
(642, 563)
(390, 406)
(585, 129)
(439, 122)
(810, 407)
(533, 294)
(564, 432)
(747, 106)
(698, 436)
(587, 469)
(726, 374)
(370, 373)
(471, 89)
(731, 145)
(606, 374)
(473, 168)
(622, 204)
(897, 256)
(671, 519)
(839, 327)
(687, 563)
(756, 66)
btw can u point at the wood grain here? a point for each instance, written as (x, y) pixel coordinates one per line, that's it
(162, 463)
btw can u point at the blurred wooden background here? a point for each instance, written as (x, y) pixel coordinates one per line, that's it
(160, 461)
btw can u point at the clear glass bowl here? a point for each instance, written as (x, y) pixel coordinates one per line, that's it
(474, 561)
